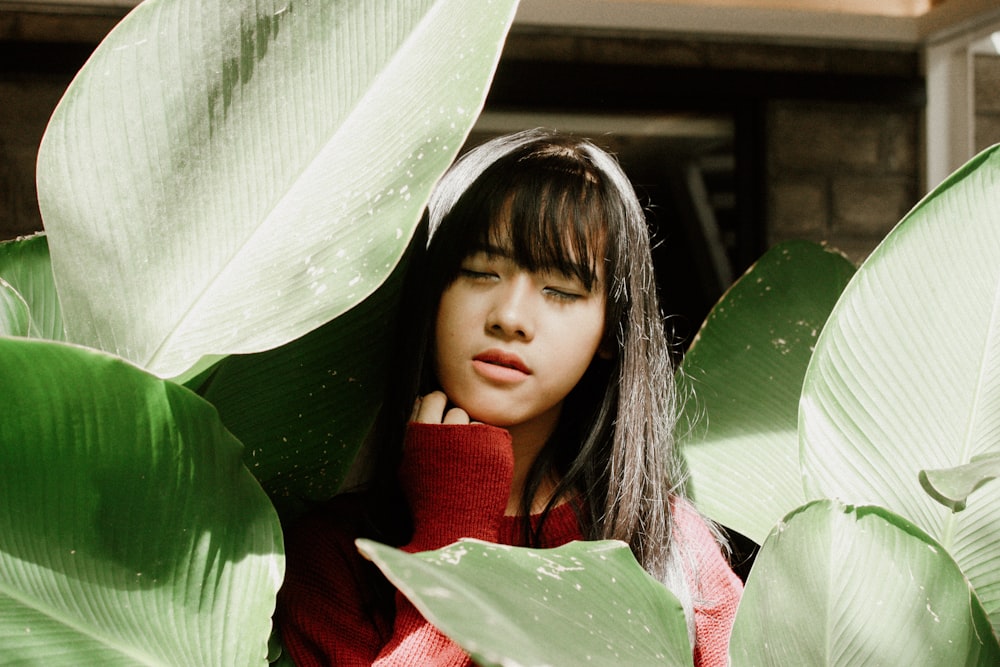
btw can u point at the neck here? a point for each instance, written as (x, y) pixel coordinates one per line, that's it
(528, 440)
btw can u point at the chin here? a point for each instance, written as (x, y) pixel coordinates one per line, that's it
(491, 417)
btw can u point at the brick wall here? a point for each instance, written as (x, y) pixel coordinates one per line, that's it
(840, 173)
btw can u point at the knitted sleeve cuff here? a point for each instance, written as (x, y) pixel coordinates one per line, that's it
(457, 480)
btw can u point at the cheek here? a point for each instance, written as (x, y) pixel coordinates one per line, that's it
(450, 307)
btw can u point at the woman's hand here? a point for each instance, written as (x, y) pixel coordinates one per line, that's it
(430, 409)
(455, 475)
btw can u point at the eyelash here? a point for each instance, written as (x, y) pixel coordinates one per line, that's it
(560, 295)
(552, 292)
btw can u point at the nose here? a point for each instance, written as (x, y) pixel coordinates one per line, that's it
(510, 314)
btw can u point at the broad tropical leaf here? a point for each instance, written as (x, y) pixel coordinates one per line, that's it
(27, 291)
(224, 176)
(906, 374)
(131, 533)
(844, 586)
(304, 409)
(581, 603)
(742, 378)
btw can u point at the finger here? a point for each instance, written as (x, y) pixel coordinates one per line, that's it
(431, 408)
(416, 408)
(456, 416)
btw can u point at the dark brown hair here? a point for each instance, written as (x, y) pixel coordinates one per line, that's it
(566, 204)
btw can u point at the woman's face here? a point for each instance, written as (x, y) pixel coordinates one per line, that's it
(510, 343)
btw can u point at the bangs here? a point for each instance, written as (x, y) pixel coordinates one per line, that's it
(543, 211)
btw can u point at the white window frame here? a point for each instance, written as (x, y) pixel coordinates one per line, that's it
(950, 123)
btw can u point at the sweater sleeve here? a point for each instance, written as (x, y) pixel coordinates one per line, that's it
(457, 480)
(321, 611)
(716, 587)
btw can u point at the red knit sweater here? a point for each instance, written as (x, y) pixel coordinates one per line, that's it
(457, 480)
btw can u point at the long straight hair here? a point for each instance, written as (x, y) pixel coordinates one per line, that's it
(560, 202)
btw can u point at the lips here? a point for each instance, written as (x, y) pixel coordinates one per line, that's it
(500, 368)
(504, 360)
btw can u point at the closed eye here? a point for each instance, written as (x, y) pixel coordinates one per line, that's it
(561, 295)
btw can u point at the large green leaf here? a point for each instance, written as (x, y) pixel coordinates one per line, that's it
(130, 531)
(581, 603)
(29, 305)
(906, 375)
(743, 377)
(224, 176)
(846, 586)
(304, 409)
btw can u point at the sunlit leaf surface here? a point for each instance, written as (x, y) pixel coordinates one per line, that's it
(742, 379)
(581, 603)
(845, 586)
(130, 531)
(906, 374)
(224, 176)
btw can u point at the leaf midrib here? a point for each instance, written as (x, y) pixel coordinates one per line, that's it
(951, 521)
